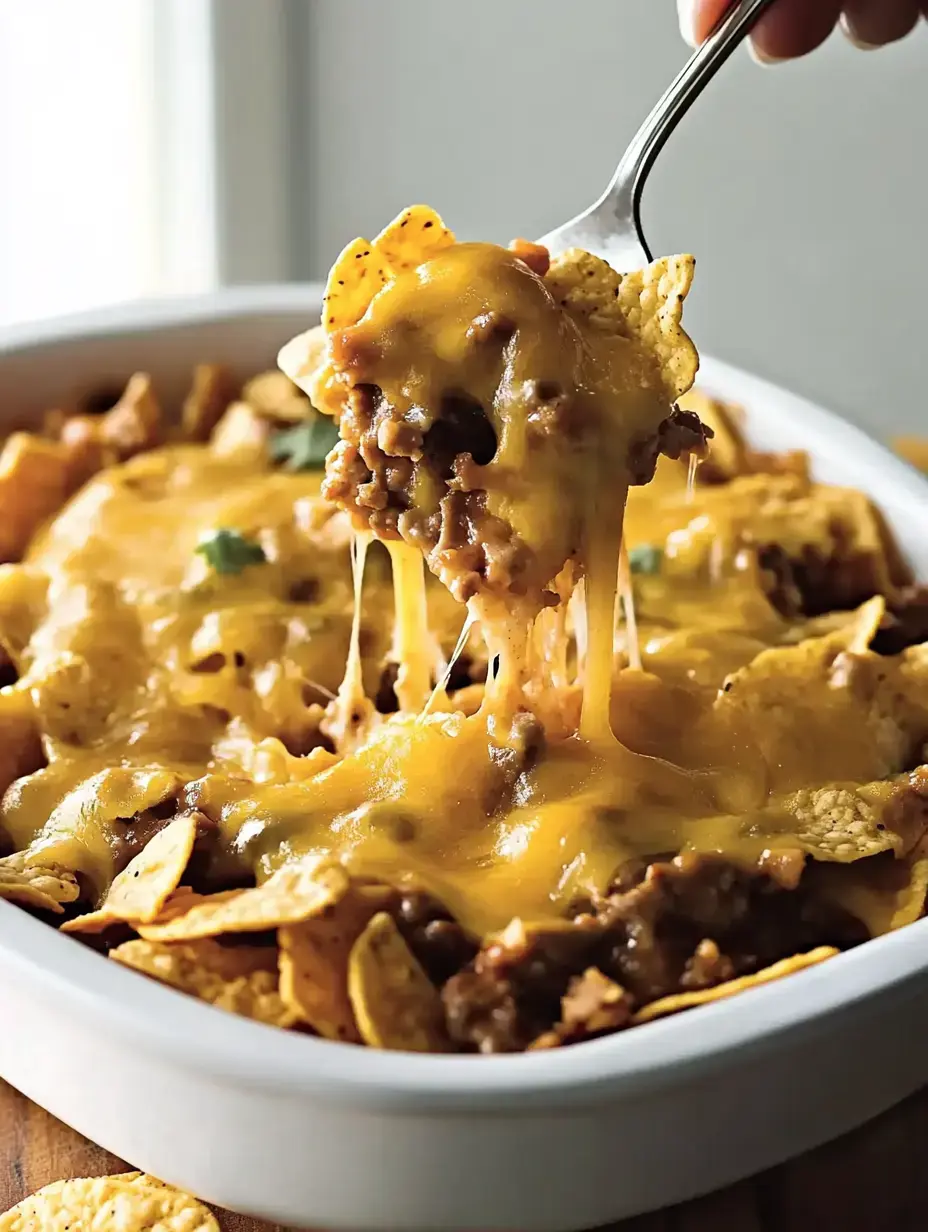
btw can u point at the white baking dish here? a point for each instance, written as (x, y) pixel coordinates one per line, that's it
(308, 1132)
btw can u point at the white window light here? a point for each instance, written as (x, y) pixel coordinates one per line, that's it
(143, 149)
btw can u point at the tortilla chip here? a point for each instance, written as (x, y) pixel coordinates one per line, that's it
(299, 359)
(652, 301)
(884, 893)
(358, 274)
(294, 893)
(855, 713)
(36, 886)
(77, 831)
(911, 899)
(314, 962)
(414, 236)
(140, 891)
(645, 305)
(275, 396)
(686, 1000)
(129, 1203)
(210, 393)
(395, 1003)
(844, 822)
(242, 979)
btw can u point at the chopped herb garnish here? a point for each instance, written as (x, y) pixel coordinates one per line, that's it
(227, 551)
(304, 447)
(645, 558)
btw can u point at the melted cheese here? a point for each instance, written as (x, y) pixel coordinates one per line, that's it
(147, 674)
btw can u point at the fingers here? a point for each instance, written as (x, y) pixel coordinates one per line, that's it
(794, 27)
(698, 18)
(873, 23)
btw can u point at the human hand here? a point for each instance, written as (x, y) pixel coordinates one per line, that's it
(794, 27)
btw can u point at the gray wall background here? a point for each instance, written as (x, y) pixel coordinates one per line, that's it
(801, 189)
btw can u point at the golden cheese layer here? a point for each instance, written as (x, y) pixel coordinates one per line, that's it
(702, 712)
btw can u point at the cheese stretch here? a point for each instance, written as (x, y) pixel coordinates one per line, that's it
(707, 724)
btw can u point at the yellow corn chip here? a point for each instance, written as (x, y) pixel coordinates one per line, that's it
(274, 395)
(178, 904)
(411, 238)
(358, 274)
(144, 885)
(646, 305)
(294, 893)
(686, 1000)
(910, 900)
(883, 893)
(843, 822)
(77, 830)
(394, 1002)
(241, 979)
(301, 357)
(364, 267)
(45, 888)
(314, 959)
(127, 1203)
(652, 302)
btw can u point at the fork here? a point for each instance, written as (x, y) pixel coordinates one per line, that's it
(611, 226)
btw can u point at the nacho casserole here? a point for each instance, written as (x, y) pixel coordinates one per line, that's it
(471, 685)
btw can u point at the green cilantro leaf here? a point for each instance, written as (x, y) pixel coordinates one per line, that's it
(305, 446)
(227, 551)
(645, 558)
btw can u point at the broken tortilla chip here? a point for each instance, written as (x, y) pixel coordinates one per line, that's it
(686, 1000)
(358, 274)
(845, 822)
(394, 1002)
(131, 1202)
(35, 886)
(241, 979)
(293, 894)
(884, 893)
(314, 959)
(142, 888)
(645, 305)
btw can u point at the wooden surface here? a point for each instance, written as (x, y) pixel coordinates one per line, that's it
(874, 1180)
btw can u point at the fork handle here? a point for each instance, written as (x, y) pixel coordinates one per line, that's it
(677, 99)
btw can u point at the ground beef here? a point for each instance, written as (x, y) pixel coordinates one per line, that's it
(813, 584)
(420, 475)
(690, 922)
(8, 673)
(134, 833)
(511, 993)
(511, 758)
(440, 944)
(905, 623)
(682, 433)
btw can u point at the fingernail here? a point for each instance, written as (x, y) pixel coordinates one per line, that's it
(853, 37)
(759, 56)
(687, 22)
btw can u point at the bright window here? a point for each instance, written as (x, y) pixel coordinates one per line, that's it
(78, 207)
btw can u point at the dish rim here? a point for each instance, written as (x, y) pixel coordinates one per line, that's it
(224, 1047)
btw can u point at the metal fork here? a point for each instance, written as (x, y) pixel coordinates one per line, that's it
(611, 227)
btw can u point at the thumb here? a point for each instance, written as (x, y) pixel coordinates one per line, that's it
(686, 12)
(698, 18)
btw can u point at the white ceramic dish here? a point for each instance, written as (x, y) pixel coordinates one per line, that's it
(308, 1132)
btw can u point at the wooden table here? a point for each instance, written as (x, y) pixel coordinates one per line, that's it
(874, 1180)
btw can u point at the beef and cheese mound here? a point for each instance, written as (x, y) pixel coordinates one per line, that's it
(479, 688)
